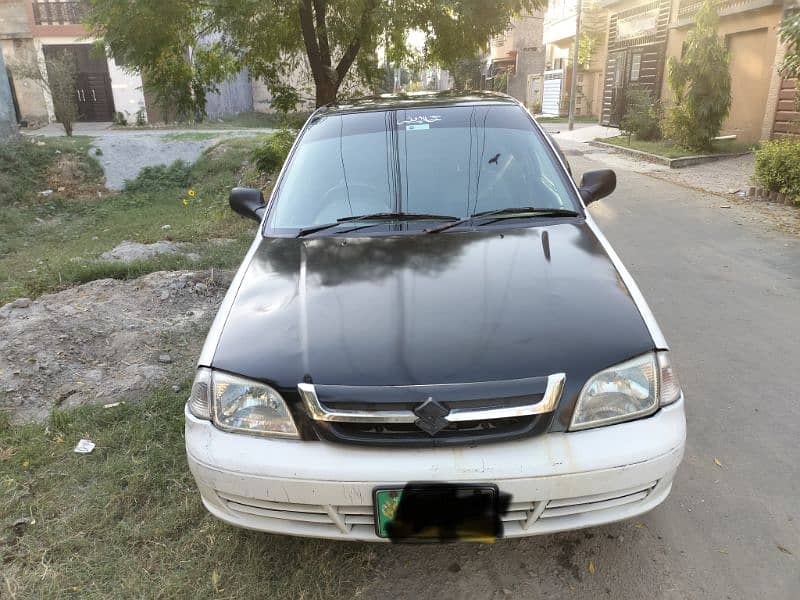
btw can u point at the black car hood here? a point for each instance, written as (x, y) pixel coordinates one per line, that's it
(420, 309)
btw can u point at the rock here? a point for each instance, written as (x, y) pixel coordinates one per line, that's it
(19, 526)
(176, 388)
(166, 227)
(21, 303)
(200, 288)
(165, 295)
(128, 251)
(164, 358)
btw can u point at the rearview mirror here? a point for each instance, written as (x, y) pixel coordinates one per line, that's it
(248, 202)
(597, 184)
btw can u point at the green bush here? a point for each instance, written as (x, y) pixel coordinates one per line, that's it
(778, 167)
(701, 85)
(270, 156)
(643, 115)
(154, 179)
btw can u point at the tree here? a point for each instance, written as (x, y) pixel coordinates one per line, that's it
(58, 76)
(336, 38)
(465, 74)
(700, 83)
(589, 42)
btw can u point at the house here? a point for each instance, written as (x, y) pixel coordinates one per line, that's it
(16, 41)
(762, 102)
(642, 35)
(636, 52)
(560, 24)
(30, 30)
(515, 63)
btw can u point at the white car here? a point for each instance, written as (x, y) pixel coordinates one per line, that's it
(430, 339)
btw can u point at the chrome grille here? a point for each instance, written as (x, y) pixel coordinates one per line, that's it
(432, 414)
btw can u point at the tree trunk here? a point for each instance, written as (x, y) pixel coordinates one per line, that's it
(326, 93)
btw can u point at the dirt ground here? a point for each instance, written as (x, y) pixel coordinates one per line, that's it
(104, 341)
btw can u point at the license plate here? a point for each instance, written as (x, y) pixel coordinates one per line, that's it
(439, 512)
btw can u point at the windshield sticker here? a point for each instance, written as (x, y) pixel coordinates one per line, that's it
(417, 127)
(420, 120)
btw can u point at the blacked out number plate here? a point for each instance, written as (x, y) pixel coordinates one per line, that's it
(440, 512)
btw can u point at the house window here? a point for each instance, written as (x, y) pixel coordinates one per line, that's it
(619, 69)
(636, 65)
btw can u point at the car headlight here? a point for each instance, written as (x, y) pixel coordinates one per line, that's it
(631, 390)
(240, 405)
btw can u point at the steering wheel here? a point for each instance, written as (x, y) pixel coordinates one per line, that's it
(363, 199)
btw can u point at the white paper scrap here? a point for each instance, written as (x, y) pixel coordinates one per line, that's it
(84, 447)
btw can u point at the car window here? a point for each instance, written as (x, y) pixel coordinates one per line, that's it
(449, 161)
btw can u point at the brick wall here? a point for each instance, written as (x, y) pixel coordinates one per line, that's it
(787, 117)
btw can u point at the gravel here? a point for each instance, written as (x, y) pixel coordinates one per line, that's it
(104, 341)
(126, 153)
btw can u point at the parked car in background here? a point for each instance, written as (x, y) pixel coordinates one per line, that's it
(430, 328)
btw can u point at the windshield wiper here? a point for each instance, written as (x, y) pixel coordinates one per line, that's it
(540, 212)
(513, 212)
(387, 216)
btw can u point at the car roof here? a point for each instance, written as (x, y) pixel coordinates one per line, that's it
(417, 100)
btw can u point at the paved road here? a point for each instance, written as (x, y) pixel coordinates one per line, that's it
(726, 291)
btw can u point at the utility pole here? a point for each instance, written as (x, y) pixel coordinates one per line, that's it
(573, 92)
(8, 116)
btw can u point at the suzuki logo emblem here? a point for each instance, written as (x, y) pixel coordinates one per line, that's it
(431, 417)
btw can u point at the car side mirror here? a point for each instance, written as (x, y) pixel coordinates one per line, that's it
(248, 202)
(597, 184)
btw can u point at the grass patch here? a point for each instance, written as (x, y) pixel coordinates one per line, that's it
(578, 119)
(189, 136)
(126, 521)
(273, 120)
(53, 243)
(669, 149)
(31, 165)
(159, 177)
(245, 120)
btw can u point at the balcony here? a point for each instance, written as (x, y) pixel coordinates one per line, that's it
(688, 8)
(58, 13)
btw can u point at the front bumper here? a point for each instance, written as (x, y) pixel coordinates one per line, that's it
(558, 481)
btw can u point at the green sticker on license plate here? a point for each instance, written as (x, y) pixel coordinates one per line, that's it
(386, 503)
(440, 512)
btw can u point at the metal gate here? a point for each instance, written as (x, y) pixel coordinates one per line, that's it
(551, 99)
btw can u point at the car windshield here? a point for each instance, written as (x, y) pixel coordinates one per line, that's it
(452, 161)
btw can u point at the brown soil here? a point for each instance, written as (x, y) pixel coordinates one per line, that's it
(68, 177)
(104, 341)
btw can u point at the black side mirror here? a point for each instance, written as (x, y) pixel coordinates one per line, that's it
(597, 184)
(248, 202)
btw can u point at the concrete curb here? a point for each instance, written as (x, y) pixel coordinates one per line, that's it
(672, 163)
